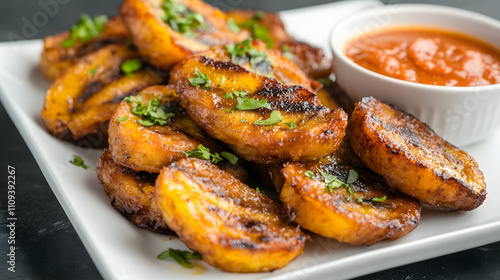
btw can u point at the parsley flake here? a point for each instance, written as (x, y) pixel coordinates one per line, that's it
(259, 190)
(130, 66)
(180, 256)
(92, 71)
(78, 161)
(200, 80)
(258, 31)
(85, 30)
(274, 118)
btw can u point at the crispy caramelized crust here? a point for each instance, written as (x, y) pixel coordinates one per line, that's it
(81, 101)
(310, 59)
(354, 219)
(413, 159)
(318, 131)
(131, 194)
(235, 228)
(55, 58)
(160, 44)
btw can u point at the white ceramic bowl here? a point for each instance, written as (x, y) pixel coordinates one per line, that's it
(461, 115)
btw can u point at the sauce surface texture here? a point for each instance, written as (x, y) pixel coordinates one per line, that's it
(427, 56)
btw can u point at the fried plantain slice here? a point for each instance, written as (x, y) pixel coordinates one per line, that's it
(164, 45)
(362, 211)
(413, 159)
(268, 27)
(149, 148)
(131, 193)
(292, 125)
(272, 63)
(81, 101)
(234, 227)
(55, 57)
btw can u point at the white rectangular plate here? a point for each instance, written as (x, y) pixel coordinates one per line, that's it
(122, 251)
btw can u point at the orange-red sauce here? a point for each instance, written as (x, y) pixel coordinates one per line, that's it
(427, 56)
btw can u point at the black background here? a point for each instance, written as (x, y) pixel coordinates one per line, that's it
(49, 247)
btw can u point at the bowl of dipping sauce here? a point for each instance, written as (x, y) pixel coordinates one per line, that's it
(440, 64)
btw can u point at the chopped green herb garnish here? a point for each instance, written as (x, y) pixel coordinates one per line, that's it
(379, 199)
(353, 176)
(78, 161)
(359, 199)
(324, 81)
(240, 52)
(223, 80)
(152, 113)
(204, 153)
(248, 103)
(122, 118)
(243, 120)
(328, 178)
(130, 66)
(310, 174)
(274, 118)
(348, 198)
(180, 256)
(258, 31)
(228, 110)
(229, 95)
(287, 53)
(291, 125)
(233, 26)
(92, 71)
(259, 190)
(181, 19)
(85, 30)
(230, 157)
(200, 80)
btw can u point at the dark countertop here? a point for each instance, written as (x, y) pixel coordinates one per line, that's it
(48, 246)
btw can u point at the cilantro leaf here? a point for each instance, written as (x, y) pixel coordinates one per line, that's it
(203, 152)
(379, 199)
(180, 256)
(230, 157)
(352, 177)
(85, 30)
(78, 161)
(150, 114)
(181, 19)
(233, 26)
(291, 125)
(248, 103)
(274, 118)
(310, 174)
(242, 52)
(130, 66)
(200, 80)
(122, 118)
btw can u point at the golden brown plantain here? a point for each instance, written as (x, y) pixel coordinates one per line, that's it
(268, 27)
(160, 44)
(307, 130)
(276, 65)
(131, 194)
(235, 228)
(81, 101)
(413, 159)
(143, 148)
(55, 58)
(349, 213)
